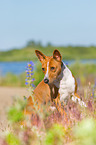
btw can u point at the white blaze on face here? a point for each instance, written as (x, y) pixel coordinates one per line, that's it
(46, 75)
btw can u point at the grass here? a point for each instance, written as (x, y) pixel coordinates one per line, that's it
(28, 53)
(84, 72)
(13, 80)
(77, 127)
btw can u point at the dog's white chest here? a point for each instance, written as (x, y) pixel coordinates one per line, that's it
(67, 85)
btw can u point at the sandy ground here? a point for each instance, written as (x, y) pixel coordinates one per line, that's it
(6, 99)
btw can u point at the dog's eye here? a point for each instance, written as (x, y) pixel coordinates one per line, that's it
(52, 68)
(43, 69)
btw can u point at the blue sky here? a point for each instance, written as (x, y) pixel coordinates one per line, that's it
(61, 22)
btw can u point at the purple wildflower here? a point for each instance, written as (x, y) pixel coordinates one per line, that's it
(31, 62)
(33, 79)
(29, 74)
(31, 68)
(67, 63)
(32, 74)
(33, 85)
(26, 83)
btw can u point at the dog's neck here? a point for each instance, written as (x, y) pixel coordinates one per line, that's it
(53, 91)
(61, 75)
(54, 88)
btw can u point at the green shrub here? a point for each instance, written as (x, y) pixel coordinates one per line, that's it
(15, 113)
(55, 135)
(85, 132)
(12, 139)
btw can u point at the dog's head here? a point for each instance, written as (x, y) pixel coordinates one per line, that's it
(51, 65)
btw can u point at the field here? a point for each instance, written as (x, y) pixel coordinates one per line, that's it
(28, 53)
(77, 127)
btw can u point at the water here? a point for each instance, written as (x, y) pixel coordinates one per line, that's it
(83, 61)
(20, 67)
(12, 67)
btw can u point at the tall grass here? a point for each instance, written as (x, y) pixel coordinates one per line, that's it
(78, 127)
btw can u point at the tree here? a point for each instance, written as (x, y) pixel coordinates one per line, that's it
(49, 44)
(31, 43)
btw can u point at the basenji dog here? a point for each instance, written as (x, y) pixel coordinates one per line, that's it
(58, 83)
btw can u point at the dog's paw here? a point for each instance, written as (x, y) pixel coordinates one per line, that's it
(52, 108)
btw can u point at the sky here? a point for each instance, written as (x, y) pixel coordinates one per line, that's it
(61, 22)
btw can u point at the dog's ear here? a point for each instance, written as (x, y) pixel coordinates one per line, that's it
(40, 55)
(56, 55)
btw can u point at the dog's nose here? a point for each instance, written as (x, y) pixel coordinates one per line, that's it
(46, 81)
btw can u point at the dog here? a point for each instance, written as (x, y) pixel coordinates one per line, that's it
(58, 84)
